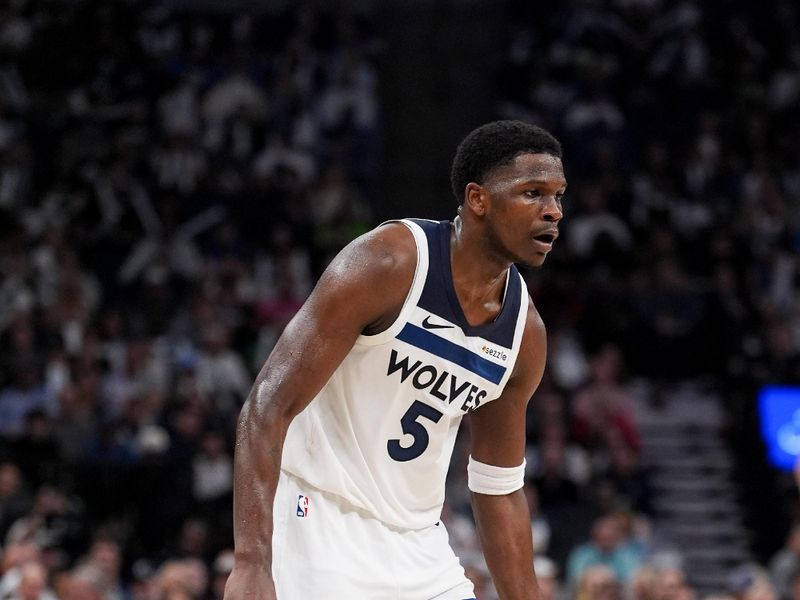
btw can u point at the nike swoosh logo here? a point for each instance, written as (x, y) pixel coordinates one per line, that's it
(428, 325)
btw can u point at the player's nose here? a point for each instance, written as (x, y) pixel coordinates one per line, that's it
(551, 210)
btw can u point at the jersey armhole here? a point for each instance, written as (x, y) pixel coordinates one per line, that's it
(420, 273)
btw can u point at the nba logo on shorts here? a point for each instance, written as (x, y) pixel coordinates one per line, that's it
(302, 505)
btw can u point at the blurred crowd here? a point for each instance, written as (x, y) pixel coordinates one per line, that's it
(680, 123)
(158, 230)
(680, 258)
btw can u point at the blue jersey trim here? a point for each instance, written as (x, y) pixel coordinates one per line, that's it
(439, 296)
(425, 340)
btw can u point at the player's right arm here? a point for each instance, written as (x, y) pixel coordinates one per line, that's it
(362, 291)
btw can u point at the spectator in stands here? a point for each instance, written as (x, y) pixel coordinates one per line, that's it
(78, 419)
(17, 555)
(193, 540)
(212, 485)
(595, 232)
(795, 586)
(547, 578)
(669, 583)
(35, 450)
(221, 568)
(598, 582)
(631, 482)
(55, 520)
(142, 582)
(557, 468)
(540, 527)
(81, 583)
(222, 374)
(181, 579)
(751, 582)
(606, 549)
(603, 407)
(642, 584)
(104, 559)
(635, 531)
(33, 584)
(26, 394)
(15, 498)
(785, 564)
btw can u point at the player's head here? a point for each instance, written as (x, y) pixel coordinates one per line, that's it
(495, 144)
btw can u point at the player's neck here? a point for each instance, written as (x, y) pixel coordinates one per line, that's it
(472, 258)
(479, 279)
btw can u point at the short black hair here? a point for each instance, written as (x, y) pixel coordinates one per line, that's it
(495, 144)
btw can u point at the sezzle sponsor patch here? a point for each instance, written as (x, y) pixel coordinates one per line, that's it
(495, 353)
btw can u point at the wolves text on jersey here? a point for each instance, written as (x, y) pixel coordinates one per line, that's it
(441, 384)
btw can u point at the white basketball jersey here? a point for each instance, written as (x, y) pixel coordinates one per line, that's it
(381, 432)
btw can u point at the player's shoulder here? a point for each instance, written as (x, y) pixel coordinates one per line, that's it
(384, 254)
(533, 347)
(393, 239)
(389, 246)
(535, 332)
(533, 319)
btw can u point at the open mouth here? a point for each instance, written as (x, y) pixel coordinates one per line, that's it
(545, 238)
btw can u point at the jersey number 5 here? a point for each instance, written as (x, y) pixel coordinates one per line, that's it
(411, 426)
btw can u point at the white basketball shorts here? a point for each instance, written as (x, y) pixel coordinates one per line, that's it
(322, 547)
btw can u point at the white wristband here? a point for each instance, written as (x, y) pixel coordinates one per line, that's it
(492, 480)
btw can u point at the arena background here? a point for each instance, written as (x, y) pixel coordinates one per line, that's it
(175, 175)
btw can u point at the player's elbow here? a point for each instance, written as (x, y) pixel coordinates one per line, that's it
(264, 415)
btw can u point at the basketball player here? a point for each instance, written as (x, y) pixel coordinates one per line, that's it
(345, 440)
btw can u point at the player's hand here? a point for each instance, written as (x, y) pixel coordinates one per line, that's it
(249, 583)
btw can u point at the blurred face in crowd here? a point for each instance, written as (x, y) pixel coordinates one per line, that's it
(643, 583)
(598, 583)
(194, 537)
(606, 365)
(213, 444)
(796, 587)
(196, 576)
(50, 501)
(793, 543)
(624, 522)
(606, 534)
(33, 581)
(179, 579)
(10, 479)
(546, 577)
(669, 585)
(760, 590)
(105, 556)
(38, 427)
(18, 553)
(26, 377)
(78, 588)
(547, 587)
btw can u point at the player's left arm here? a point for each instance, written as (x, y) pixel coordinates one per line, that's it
(498, 440)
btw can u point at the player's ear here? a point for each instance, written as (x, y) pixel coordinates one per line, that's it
(475, 199)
